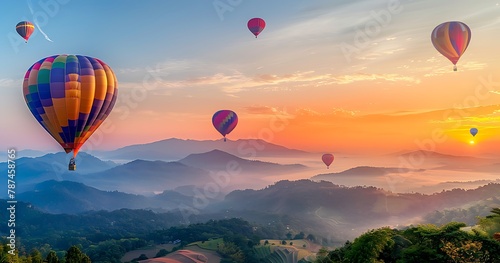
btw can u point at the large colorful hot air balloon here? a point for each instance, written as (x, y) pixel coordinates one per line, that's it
(473, 131)
(225, 121)
(70, 96)
(451, 40)
(256, 25)
(25, 29)
(327, 159)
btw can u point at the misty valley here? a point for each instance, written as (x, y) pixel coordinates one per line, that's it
(210, 201)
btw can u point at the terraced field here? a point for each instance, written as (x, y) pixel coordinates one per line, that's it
(279, 253)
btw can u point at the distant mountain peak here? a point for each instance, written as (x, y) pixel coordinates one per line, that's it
(175, 149)
(213, 155)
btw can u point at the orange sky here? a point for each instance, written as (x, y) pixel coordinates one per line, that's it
(295, 86)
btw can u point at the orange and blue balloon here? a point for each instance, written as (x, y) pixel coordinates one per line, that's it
(25, 29)
(451, 40)
(256, 25)
(327, 159)
(70, 96)
(225, 121)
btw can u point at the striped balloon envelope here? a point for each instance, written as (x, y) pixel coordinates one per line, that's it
(70, 96)
(451, 39)
(25, 29)
(225, 121)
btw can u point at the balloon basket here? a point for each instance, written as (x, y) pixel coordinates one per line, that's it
(72, 164)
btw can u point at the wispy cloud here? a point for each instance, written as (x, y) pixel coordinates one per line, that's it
(261, 110)
(347, 79)
(440, 70)
(337, 112)
(163, 68)
(237, 81)
(7, 83)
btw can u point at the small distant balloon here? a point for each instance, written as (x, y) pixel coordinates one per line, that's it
(25, 29)
(225, 121)
(473, 131)
(327, 159)
(451, 40)
(256, 25)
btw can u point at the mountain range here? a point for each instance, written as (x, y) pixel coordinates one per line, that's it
(148, 177)
(175, 149)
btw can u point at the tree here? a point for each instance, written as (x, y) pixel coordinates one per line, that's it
(52, 257)
(291, 243)
(283, 242)
(468, 251)
(289, 235)
(300, 235)
(266, 242)
(369, 246)
(491, 224)
(161, 253)
(311, 237)
(36, 256)
(322, 255)
(230, 251)
(74, 255)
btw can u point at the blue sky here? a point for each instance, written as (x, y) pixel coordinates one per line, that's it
(193, 60)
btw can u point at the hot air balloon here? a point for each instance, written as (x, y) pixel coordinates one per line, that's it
(473, 131)
(70, 96)
(25, 29)
(225, 121)
(327, 159)
(256, 25)
(451, 40)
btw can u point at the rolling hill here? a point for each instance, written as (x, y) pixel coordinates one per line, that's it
(146, 177)
(339, 209)
(71, 197)
(363, 171)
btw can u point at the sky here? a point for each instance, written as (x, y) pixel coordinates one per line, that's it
(358, 77)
